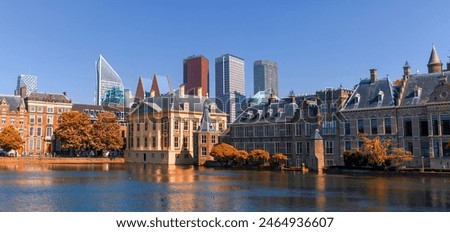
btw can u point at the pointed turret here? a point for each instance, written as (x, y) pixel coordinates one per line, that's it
(406, 70)
(155, 87)
(206, 123)
(140, 92)
(434, 63)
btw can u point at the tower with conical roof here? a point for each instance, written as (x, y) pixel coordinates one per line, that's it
(434, 63)
(140, 92)
(206, 135)
(154, 90)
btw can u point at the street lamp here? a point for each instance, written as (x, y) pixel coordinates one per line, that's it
(423, 169)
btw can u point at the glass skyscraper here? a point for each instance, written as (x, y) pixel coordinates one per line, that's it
(110, 88)
(230, 85)
(265, 76)
(28, 81)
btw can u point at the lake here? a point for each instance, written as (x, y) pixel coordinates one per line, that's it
(161, 188)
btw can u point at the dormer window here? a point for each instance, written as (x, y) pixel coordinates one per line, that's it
(186, 106)
(417, 92)
(380, 98)
(357, 99)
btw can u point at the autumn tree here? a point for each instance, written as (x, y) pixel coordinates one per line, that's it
(10, 139)
(376, 152)
(105, 133)
(259, 156)
(278, 159)
(74, 131)
(241, 157)
(223, 152)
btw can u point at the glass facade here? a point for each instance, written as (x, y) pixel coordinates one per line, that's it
(110, 88)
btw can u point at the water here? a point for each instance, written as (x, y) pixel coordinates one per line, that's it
(153, 188)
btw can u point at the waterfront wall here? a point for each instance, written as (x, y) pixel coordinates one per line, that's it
(59, 160)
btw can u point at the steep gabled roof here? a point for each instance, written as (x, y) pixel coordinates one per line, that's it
(366, 95)
(13, 101)
(155, 86)
(140, 92)
(419, 88)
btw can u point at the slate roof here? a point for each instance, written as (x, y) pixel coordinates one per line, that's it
(13, 101)
(48, 97)
(431, 86)
(366, 95)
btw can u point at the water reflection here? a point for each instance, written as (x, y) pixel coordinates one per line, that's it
(134, 187)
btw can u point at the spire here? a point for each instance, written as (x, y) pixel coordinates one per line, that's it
(434, 63)
(155, 86)
(140, 92)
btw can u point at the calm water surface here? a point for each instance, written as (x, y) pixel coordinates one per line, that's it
(141, 188)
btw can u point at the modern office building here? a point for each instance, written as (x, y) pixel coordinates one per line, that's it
(196, 74)
(230, 85)
(265, 76)
(110, 88)
(30, 83)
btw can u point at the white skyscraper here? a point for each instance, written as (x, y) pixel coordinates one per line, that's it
(109, 85)
(265, 76)
(230, 85)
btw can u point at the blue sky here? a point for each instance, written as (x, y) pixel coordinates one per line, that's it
(317, 44)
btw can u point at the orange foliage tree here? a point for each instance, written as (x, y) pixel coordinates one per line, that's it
(223, 152)
(259, 156)
(278, 159)
(74, 131)
(10, 139)
(105, 133)
(241, 157)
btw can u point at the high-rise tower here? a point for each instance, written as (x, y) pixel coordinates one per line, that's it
(265, 76)
(109, 85)
(196, 74)
(230, 85)
(28, 81)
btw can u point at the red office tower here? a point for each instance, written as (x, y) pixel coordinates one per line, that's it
(196, 74)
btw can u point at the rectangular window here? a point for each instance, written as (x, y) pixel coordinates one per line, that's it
(138, 126)
(307, 148)
(186, 125)
(38, 131)
(445, 124)
(348, 145)
(3, 120)
(145, 142)
(288, 148)
(425, 148)
(288, 129)
(329, 127)
(32, 109)
(435, 125)
(50, 110)
(328, 147)
(49, 132)
(39, 119)
(31, 145)
(12, 121)
(387, 126)
(177, 143)
(407, 127)
(176, 125)
(307, 129)
(138, 142)
(154, 126)
(185, 142)
(38, 144)
(373, 126)
(298, 129)
(49, 119)
(220, 126)
(146, 126)
(31, 131)
(39, 109)
(361, 126)
(423, 127)
(203, 151)
(153, 141)
(299, 149)
(346, 128)
(203, 138)
(213, 139)
(31, 119)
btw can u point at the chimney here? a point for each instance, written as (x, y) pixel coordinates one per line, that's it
(23, 91)
(182, 90)
(65, 93)
(373, 75)
(199, 91)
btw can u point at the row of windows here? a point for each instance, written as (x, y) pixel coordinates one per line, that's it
(50, 110)
(295, 148)
(272, 130)
(12, 121)
(38, 119)
(38, 132)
